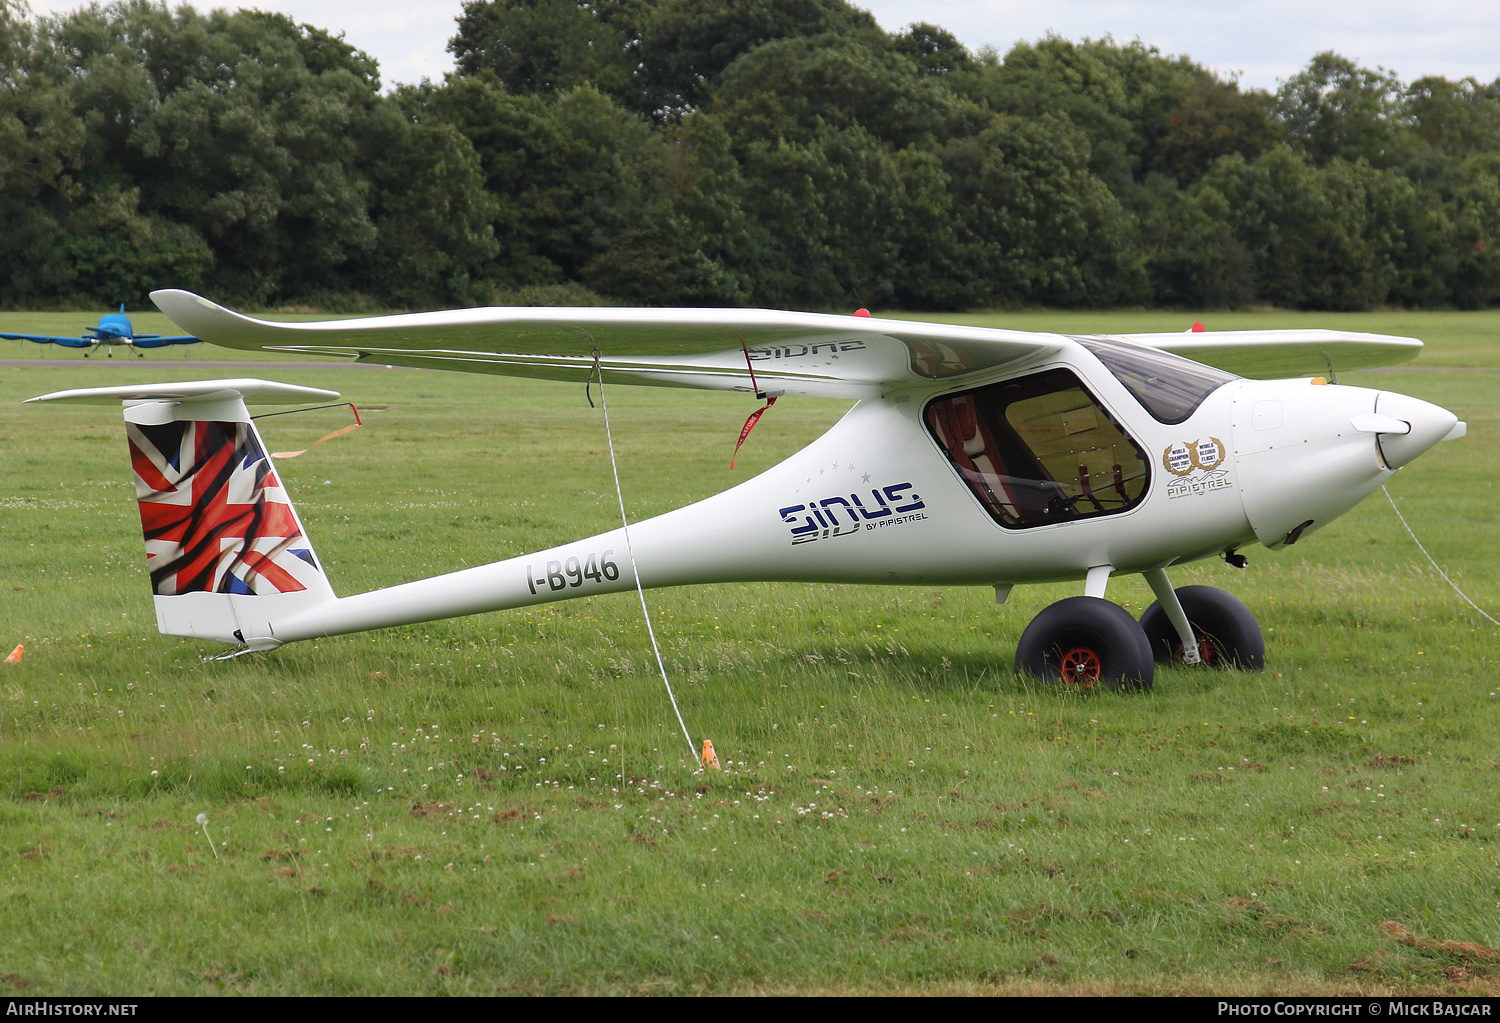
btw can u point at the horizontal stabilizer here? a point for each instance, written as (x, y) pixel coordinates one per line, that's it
(246, 389)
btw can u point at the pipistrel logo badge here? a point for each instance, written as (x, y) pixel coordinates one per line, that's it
(1198, 466)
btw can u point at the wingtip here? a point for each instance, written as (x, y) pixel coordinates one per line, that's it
(165, 297)
(200, 318)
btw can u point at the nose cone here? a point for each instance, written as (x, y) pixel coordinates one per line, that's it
(1300, 459)
(1429, 424)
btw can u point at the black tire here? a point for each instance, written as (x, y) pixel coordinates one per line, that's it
(1228, 634)
(1083, 642)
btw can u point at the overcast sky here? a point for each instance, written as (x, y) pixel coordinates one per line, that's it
(1263, 41)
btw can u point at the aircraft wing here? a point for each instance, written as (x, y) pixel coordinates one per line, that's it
(787, 352)
(1273, 354)
(47, 339)
(157, 341)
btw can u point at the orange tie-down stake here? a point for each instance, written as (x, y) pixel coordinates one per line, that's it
(15, 655)
(710, 758)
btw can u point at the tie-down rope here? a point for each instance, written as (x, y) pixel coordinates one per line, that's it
(630, 550)
(1430, 558)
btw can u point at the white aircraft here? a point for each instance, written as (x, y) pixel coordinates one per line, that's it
(972, 456)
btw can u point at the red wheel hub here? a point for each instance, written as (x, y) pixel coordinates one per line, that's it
(1080, 666)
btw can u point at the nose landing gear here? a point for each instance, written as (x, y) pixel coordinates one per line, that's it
(1227, 633)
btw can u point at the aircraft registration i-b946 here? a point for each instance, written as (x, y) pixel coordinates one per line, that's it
(114, 331)
(972, 456)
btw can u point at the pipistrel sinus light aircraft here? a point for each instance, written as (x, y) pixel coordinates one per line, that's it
(972, 456)
(114, 331)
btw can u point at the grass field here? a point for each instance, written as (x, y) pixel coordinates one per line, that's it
(504, 803)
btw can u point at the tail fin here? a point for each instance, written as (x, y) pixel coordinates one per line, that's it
(227, 554)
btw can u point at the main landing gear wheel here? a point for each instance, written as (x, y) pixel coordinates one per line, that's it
(1228, 634)
(1083, 642)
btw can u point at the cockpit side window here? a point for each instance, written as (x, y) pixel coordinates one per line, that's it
(1039, 449)
(1169, 387)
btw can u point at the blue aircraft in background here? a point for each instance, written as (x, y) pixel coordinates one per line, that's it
(114, 330)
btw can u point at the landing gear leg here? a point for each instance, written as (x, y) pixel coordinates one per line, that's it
(1166, 598)
(1224, 632)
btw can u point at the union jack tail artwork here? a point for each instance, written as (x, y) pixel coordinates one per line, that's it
(214, 513)
(228, 558)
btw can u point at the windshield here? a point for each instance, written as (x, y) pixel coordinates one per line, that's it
(1170, 387)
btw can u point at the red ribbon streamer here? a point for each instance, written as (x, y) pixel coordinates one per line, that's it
(749, 425)
(336, 433)
(754, 416)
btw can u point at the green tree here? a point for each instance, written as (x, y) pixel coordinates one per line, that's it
(1099, 87)
(42, 138)
(1345, 236)
(1194, 259)
(260, 152)
(1144, 113)
(691, 243)
(561, 169)
(782, 152)
(686, 45)
(1336, 109)
(935, 51)
(1201, 119)
(1475, 214)
(549, 46)
(833, 220)
(244, 128)
(1034, 223)
(114, 253)
(798, 88)
(431, 215)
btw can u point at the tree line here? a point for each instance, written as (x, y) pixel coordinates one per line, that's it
(783, 153)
